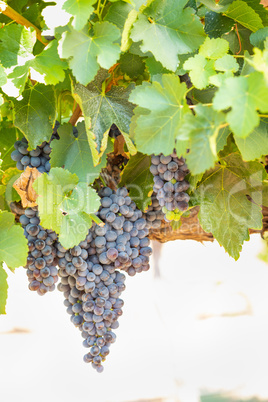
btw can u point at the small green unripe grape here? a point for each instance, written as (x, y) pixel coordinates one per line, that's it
(164, 209)
(176, 210)
(177, 217)
(170, 215)
(173, 181)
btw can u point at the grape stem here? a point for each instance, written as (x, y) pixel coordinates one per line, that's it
(75, 116)
(15, 16)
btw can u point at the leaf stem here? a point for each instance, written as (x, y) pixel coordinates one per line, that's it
(15, 16)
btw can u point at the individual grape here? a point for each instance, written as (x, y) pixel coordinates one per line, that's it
(25, 160)
(16, 155)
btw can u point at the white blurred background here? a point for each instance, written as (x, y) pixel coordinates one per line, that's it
(197, 330)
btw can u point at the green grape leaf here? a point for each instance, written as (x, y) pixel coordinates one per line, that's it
(132, 65)
(81, 10)
(19, 76)
(8, 136)
(225, 209)
(256, 143)
(214, 48)
(167, 29)
(202, 130)
(126, 41)
(260, 9)
(218, 7)
(245, 95)
(65, 205)
(155, 131)
(46, 67)
(226, 63)
(200, 70)
(49, 64)
(3, 289)
(75, 154)
(217, 24)
(101, 110)
(13, 244)
(86, 53)
(35, 114)
(16, 45)
(155, 67)
(257, 38)
(201, 67)
(138, 179)
(242, 13)
(118, 13)
(222, 138)
(260, 61)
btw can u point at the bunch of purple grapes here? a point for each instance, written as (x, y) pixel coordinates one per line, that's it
(37, 158)
(92, 297)
(170, 185)
(41, 267)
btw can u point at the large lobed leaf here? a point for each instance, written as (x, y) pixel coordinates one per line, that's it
(245, 15)
(225, 209)
(101, 109)
(167, 29)
(256, 143)
(155, 128)
(87, 52)
(245, 95)
(80, 9)
(65, 205)
(16, 45)
(35, 114)
(46, 67)
(201, 131)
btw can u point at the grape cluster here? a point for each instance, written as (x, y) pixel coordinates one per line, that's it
(154, 214)
(41, 262)
(37, 158)
(90, 279)
(123, 240)
(92, 296)
(169, 184)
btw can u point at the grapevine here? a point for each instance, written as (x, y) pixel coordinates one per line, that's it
(110, 137)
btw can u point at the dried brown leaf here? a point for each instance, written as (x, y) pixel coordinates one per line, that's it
(24, 186)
